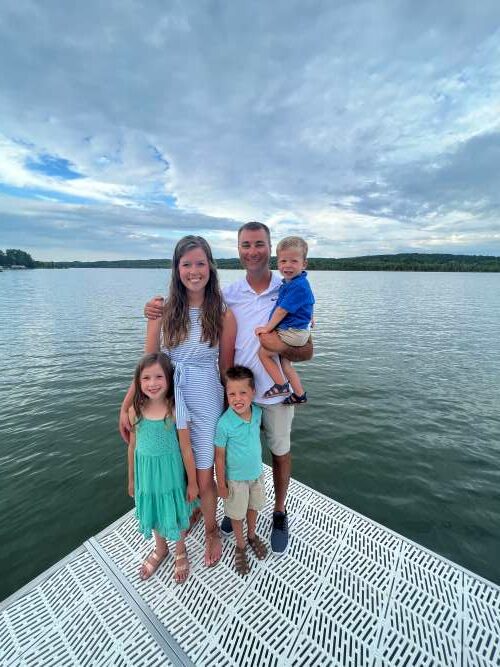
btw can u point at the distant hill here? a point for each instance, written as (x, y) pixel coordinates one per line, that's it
(398, 262)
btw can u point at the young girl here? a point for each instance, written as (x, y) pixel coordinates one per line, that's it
(197, 332)
(158, 465)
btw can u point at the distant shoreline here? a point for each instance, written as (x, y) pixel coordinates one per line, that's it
(398, 262)
(435, 262)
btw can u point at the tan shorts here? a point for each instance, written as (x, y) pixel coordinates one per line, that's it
(243, 496)
(277, 421)
(294, 337)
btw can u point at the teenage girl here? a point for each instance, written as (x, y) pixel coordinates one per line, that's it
(197, 332)
(159, 458)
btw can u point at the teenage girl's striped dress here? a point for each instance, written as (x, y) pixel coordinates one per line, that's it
(199, 395)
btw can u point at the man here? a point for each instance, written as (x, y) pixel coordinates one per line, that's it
(251, 300)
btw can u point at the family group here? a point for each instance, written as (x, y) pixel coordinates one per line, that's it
(217, 369)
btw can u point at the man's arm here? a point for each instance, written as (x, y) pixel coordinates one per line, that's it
(273, 343)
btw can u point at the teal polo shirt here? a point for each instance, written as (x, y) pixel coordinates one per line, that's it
(241, 441)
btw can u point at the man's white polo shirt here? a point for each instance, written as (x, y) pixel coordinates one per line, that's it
(252, 310)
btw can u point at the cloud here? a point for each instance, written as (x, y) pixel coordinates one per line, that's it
(366, 127)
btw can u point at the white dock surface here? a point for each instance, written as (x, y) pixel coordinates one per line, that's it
(349, 592)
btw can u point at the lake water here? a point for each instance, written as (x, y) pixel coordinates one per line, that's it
(403, 423)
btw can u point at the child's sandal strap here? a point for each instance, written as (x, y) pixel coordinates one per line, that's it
(258, 547)
(293, 399)
(277, 390)
(179, 569)
(152, 567)
(241, 561)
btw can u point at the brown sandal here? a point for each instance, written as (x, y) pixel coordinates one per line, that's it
(258, 547)
(241, 561)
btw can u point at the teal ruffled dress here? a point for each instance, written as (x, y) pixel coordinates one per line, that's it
(160, 480)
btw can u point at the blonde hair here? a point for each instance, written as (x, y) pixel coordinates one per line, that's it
(292, 242)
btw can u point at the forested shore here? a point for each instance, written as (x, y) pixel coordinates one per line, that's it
(396, 262)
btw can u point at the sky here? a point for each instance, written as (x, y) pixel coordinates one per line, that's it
(365, 127)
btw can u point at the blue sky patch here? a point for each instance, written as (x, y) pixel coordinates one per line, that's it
(53, 166)
(169, 200)
(38, 193)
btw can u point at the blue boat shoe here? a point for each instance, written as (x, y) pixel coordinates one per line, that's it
(226, 527)
(279, 533)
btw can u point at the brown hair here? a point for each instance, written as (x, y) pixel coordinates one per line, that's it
(255, 226)
(292, 242)
(241, 373)
(140, 398)
(175, 321)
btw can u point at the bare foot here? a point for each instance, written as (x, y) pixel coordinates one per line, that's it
(213, 548)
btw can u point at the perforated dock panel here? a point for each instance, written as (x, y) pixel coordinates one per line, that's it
(349, 592)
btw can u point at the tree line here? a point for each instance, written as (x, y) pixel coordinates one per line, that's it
(12, 257)
(397, 262)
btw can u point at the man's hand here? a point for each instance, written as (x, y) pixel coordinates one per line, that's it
(262, 330)
(273, 343)
(222, 490)
(192, 492)
(153, 310)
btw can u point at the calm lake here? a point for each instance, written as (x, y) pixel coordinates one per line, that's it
(403, 423)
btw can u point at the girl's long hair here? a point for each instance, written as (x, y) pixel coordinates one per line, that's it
(175, 321)
(139, 397)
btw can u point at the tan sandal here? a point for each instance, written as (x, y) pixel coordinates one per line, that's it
(241, 563)
(149, 567)
(210, 538)
(258, 547)
(181, 572)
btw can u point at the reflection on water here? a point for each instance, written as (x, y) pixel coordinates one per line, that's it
(404, 406)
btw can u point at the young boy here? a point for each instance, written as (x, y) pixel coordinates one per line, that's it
(238, 463)
(290, 319)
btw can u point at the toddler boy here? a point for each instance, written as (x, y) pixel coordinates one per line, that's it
(290, 319)
(238, 463)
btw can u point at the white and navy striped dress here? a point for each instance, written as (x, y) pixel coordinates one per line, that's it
(199, 395)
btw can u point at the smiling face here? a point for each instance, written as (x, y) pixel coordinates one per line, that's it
(291, 263)
(254, 250)
(240, 396)
(153, 382)
(194, 271)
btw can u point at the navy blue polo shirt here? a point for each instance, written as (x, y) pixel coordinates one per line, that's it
(296, 297)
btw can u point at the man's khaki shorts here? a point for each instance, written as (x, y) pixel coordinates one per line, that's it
(277, 421)
(243, 496)
(294, 337)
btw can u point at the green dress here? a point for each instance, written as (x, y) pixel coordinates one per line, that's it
(160, 480)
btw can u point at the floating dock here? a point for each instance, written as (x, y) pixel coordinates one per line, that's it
(349, 593)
